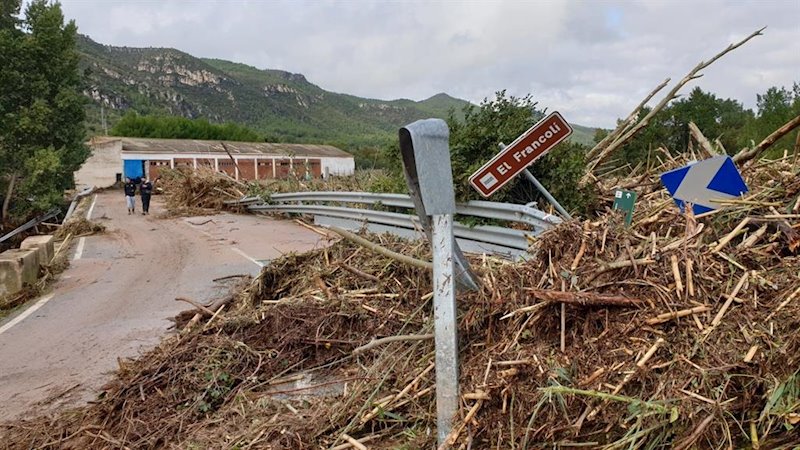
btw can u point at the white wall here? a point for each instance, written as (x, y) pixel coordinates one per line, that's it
(101, 168)
(338, 166)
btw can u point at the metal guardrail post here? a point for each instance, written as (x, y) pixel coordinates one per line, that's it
(445, 323)
(425, 150)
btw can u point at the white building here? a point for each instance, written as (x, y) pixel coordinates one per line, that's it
(113, 158)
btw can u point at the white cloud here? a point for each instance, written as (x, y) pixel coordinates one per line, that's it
(593, 61)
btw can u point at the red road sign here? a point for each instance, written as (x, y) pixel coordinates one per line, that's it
(526, 149)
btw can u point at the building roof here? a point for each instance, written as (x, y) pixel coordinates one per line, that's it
(161, 146)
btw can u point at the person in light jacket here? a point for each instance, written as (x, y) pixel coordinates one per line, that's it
(130, 192)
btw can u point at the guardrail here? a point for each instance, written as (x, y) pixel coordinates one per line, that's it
(78, 197)
(330, 208)
(31, 223)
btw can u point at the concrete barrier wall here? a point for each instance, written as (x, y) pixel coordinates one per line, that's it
(10, 276)
(28, 262)
(44, 246)
(21, 266)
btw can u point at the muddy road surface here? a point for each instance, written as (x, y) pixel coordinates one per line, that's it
(115, 298)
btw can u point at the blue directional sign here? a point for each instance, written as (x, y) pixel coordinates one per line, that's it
(705, 182)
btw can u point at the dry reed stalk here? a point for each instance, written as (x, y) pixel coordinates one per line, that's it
(783, 304)
(378, 342)
(639, 364)
(751, 354)
(724, 241)
(408, 388)
(721, 313)
(355, 443)
(676, 274)
(453, 436)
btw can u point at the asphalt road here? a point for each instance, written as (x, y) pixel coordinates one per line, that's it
(115, 298)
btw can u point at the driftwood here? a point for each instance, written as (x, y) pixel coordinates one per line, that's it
(360, 273)
(201, 311)
(240, 275)
(196, 305)
(748, 154)
(626, 124)
(381, 250)
(701, 139)
(600, 156)
(584, 298)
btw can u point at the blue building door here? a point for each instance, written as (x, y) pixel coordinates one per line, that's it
(133, 168)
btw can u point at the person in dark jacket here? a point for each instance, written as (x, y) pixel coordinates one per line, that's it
(130, 192)
(146, 190)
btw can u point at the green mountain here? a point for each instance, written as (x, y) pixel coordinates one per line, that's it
(283, 106)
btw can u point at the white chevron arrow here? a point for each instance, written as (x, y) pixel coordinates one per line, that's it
(693, 188)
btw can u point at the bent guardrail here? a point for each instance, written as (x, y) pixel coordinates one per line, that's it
(330, 208)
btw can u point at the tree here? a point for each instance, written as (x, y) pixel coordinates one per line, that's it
(717, 118)
(41, 107)
(775, 107)
(475, 140)
(173, 127)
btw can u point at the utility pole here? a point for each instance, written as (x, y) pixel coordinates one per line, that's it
(103, 119)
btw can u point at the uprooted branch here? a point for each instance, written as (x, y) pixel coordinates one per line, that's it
(584, 298)
(748, 154)
(602, 155)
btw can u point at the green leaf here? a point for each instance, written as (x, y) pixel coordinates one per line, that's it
(674, 415)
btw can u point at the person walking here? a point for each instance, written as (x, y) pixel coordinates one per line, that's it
(146, 190)
(130, 191)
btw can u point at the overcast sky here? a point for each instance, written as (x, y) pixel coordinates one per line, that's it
(591, 60)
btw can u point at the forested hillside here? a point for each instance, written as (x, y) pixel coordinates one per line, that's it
(281, 106)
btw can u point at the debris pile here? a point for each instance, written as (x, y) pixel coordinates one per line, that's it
(676, 332)
(365, 181)
(79, 226)
(200, 191)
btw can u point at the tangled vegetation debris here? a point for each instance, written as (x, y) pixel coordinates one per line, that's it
(78, 227)
(676, 332)
(197, 192)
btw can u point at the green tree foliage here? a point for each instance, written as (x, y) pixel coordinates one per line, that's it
(775, 107)
(717, 118)
(723, 119)
(41, 106)
(475, 139)
(172, 127)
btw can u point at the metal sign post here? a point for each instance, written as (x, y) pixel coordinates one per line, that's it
(426, 162)
(543, 190)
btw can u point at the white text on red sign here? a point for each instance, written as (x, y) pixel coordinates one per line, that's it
(526, 149)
